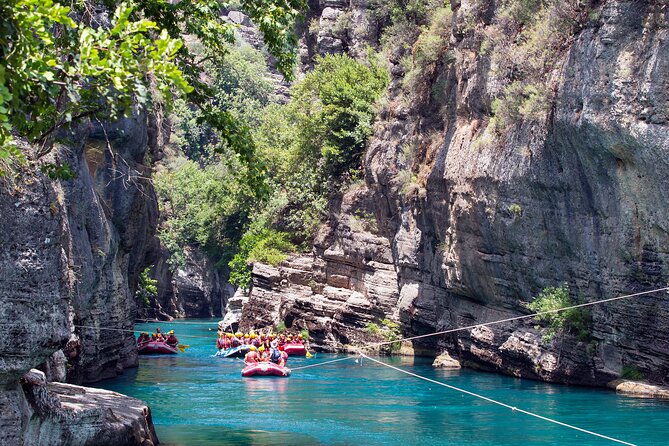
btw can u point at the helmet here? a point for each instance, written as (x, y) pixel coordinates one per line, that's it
(261, 349)
(246, 335)
(238, 334)
(299, 336)
(171, 332)
(253, 348)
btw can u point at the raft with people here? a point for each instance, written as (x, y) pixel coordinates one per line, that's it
(261, 362)
(265, 369)
(157, 344)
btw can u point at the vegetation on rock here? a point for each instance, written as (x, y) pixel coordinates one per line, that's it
(575, 321)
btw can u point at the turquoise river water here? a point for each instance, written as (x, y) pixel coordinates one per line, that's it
(199, 400)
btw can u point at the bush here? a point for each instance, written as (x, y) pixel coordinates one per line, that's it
(147, 288)
(373, 328)
(202, 206)
(575, 321)
(258, 245)
(281, 327)
(313, 145)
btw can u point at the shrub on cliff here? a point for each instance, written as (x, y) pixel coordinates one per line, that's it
(575, 320)
(314, 144)
(258, 245)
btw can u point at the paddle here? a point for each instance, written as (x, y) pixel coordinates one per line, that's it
(182, 347)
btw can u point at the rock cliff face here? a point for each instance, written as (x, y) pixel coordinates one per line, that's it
(111, 215)
(71, 251)
(474, 222)
(196, 290)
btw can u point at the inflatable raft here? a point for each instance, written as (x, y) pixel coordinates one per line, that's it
(157, 348)
(234, 352)
(295, 349)
(265, 369)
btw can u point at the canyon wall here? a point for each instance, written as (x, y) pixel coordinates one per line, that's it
(72, 249)
(457, 223)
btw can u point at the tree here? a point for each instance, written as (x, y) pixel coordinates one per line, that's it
(61, 65)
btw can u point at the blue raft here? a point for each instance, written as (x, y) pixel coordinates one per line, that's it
(234, 352)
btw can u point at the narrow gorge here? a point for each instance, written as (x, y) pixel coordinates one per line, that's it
(390, 170)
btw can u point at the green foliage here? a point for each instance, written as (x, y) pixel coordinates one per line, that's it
(516, 209)
(333, 108)
(430, 49)
(58, 171)
(391, 331)
(56, 71)
(313, 145)
(632, 373)
(205, 206)
(258, 244)
(147, 288)
(518, 103)
(305, 334)
(525, 43)
(281, 327)
(373, 328)
(575, 321)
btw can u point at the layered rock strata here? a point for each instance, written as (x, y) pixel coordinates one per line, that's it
(471, 225)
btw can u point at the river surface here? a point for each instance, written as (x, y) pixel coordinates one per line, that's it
(199, 400)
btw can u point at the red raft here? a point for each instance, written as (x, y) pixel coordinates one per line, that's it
(157, 348)
(265, 369)
(295, 349)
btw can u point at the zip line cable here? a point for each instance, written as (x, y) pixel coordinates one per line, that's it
(516, 318)
(499, 403)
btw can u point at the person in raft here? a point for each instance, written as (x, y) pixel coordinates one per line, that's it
(143, 338)
(171, 339)
(252, 356)
(276, 355)
(157, 336)
(221, 342)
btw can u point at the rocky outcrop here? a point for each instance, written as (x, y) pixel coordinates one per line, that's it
(339, 26)
(40, 413)
(35, 278)
(639, 389)
(195, 290)
(446, 362)
(470, 224)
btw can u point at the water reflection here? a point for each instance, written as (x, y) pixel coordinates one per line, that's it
(273, 384)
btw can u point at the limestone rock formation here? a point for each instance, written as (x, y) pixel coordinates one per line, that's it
(39, 413)
(71, 251)
(445, 361)
(464, 224)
